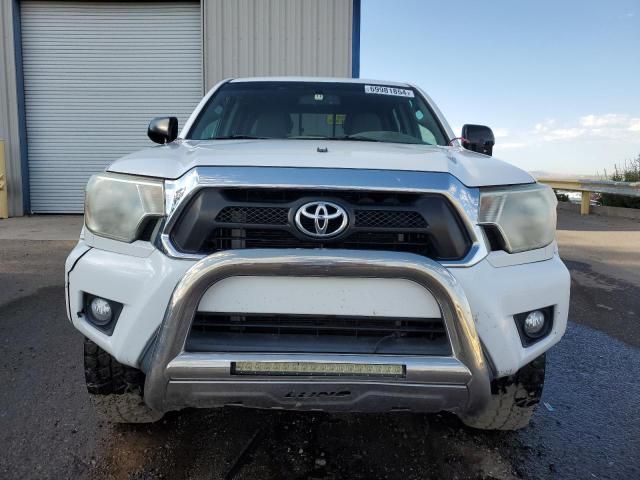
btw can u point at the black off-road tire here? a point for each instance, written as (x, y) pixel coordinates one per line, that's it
(115, 389)
(513, 399)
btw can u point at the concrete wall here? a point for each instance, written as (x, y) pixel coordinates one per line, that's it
(9, 117)
(631, 213)
(277, 37)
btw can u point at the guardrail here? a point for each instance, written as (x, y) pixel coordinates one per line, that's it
(586, 187)
(4, 204)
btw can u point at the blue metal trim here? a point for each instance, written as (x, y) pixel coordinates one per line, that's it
(22, 120)
(355, 40)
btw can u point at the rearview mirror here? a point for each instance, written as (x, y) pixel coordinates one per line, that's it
(163, 130)
(478, 138)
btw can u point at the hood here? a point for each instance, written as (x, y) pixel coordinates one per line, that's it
(175, 159)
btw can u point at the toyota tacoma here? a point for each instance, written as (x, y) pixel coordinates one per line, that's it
(317, 244)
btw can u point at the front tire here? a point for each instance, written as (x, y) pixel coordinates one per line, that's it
(513, 399)
(115, 389)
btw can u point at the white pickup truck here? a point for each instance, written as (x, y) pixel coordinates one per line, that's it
(317, 244)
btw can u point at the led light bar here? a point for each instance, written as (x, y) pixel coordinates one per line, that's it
(317, 369)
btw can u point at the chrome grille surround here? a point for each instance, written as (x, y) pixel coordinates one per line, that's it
(465, 200)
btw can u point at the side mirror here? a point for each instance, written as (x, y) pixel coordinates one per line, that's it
(163, 130)
(478, 138)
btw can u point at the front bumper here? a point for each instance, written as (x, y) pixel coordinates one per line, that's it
(477, 305)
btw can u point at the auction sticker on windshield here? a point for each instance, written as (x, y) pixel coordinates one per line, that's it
(398, 92)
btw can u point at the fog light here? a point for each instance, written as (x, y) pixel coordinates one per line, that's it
(101, 311)
(534, 323)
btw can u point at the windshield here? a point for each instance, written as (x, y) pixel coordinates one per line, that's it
(318, 110)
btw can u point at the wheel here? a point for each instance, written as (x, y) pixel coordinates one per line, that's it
(513, 399)
(115, 389)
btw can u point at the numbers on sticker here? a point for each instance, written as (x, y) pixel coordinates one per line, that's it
(381, 90)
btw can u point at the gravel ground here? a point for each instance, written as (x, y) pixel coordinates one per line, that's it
(589, 426)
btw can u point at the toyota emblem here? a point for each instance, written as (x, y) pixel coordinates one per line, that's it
(321, 219)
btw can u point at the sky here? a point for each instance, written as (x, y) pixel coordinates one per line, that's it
(557, 81)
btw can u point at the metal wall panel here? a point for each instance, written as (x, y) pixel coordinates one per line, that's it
(95, 73)
(277, 37)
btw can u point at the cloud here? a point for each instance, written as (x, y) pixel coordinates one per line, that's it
(544, 126)
(617, 126)
(610, 126)
(511, 145)
(607, 120)
(563, 134)
(546, 130)
(500, 132)
(634, 125)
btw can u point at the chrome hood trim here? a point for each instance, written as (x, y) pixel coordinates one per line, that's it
(173, 160)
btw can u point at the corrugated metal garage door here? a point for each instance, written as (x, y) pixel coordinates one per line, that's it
(95, 73)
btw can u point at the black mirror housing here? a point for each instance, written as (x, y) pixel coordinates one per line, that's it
(478, 138)
(163, 130)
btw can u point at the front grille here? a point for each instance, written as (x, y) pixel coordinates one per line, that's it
(389, 219)
(223, 219)
(227, 238)
(222, 332)
(254, 215)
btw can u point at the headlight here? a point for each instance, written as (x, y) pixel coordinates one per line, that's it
(116, 205)
(525, 216)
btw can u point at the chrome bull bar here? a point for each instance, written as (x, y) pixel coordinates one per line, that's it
(178, 379)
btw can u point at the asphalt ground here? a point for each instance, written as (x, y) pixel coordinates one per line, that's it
(588, 426)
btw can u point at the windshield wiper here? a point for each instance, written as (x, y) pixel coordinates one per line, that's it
(253, 137)
(238, 137)
(357, 138)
